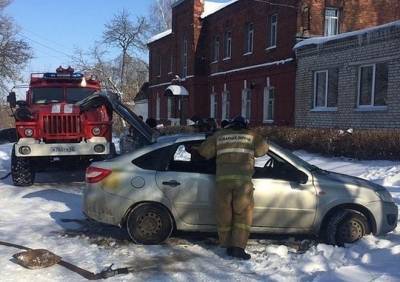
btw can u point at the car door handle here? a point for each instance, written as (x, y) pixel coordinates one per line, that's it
(172, 183)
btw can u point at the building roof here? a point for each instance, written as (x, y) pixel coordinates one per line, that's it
(324, 39)
(159, 36)
(210, 7)
(213, 6)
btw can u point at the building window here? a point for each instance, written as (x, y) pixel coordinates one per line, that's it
(169, 107)
(171, 64)
(249, 37)
(272, 31)
(184, 58)
(215, 49)
(326, 88)
(269, 104)
(159, 65)
(372, 85)
(227, 45)
(157, 107)
(246, 102)
(226, 103)
(331, 21)
(213, 103)
(305, 19)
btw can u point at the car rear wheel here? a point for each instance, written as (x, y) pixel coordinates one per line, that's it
(346, 226)
(149, 224)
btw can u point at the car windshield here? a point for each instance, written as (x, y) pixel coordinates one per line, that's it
(77, 94)
(47, 95)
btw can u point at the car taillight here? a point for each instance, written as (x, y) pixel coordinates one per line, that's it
(96, 174)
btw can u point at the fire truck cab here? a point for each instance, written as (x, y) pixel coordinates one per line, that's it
(51, 126)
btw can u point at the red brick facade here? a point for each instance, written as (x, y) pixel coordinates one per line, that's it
(262, 69)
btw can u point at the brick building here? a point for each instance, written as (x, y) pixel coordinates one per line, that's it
(236, 56)
(350, 80)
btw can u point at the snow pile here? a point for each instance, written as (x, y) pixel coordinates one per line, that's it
(159, 36)
(324, 39)
(212, 6)
(48, 215)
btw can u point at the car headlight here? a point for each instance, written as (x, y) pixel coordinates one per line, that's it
(385, 196)
(96, 131)
(28, 132)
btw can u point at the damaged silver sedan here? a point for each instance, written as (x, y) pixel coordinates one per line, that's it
(162, 187)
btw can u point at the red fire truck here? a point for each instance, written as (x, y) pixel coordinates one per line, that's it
(51, 126)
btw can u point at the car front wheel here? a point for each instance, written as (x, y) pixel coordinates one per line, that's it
(149, 224)
(346, 226)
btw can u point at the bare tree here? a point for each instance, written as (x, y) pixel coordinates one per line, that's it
(94, 62)
(127, 35)
(14, 52)
(160, 15)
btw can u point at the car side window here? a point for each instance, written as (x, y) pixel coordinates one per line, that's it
(278, 168)
(187, 159)
(155, 160)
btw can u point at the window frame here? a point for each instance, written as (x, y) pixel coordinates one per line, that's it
(227, 45)
(270, 27)
(210, 163)
(373, 90)
(160, 66)
(246, 103)
(315, 107)
(213, 103)
(171, 64)
(185, 58)
(169, 107)
(329, 19)
(226, 104)
(158, 103)
(267, 98)
(216, 49)
(249, 35)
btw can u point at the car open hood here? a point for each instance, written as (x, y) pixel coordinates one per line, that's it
(113, 103)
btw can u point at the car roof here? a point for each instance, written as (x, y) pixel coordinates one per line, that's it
(182, 137)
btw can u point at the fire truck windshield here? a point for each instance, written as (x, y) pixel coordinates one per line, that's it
(76, 94)
(56, 95)
(47, 95)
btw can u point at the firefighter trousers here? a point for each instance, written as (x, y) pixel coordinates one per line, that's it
(234, 212)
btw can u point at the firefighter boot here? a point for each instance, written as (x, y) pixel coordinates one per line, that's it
(237, 252)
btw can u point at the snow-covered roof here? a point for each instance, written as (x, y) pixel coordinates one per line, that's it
(159, 36)
(212, 6)
(324, 39)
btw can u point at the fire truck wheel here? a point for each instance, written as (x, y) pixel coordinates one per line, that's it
(21, 170)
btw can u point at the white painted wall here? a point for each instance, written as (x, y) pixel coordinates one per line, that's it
(142, 108)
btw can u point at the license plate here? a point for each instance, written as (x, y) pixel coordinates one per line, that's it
(61, 149)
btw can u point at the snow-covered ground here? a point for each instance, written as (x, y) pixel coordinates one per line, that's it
(48, 215)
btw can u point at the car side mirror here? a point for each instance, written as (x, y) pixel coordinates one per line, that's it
(303, 178)
(22, 103)
(12, 99)
(300, 177)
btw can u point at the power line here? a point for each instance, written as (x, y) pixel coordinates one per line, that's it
(43, 38)
(45, 46)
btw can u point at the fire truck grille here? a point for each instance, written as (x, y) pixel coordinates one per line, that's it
(61, 125)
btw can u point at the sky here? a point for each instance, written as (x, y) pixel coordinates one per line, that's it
(54, 29)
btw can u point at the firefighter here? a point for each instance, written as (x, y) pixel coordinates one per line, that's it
(235, 148)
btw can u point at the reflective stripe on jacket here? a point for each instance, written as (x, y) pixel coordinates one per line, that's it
(235, 151)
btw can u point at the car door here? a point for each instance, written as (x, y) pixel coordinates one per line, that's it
(283, 197)
(189, 182)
